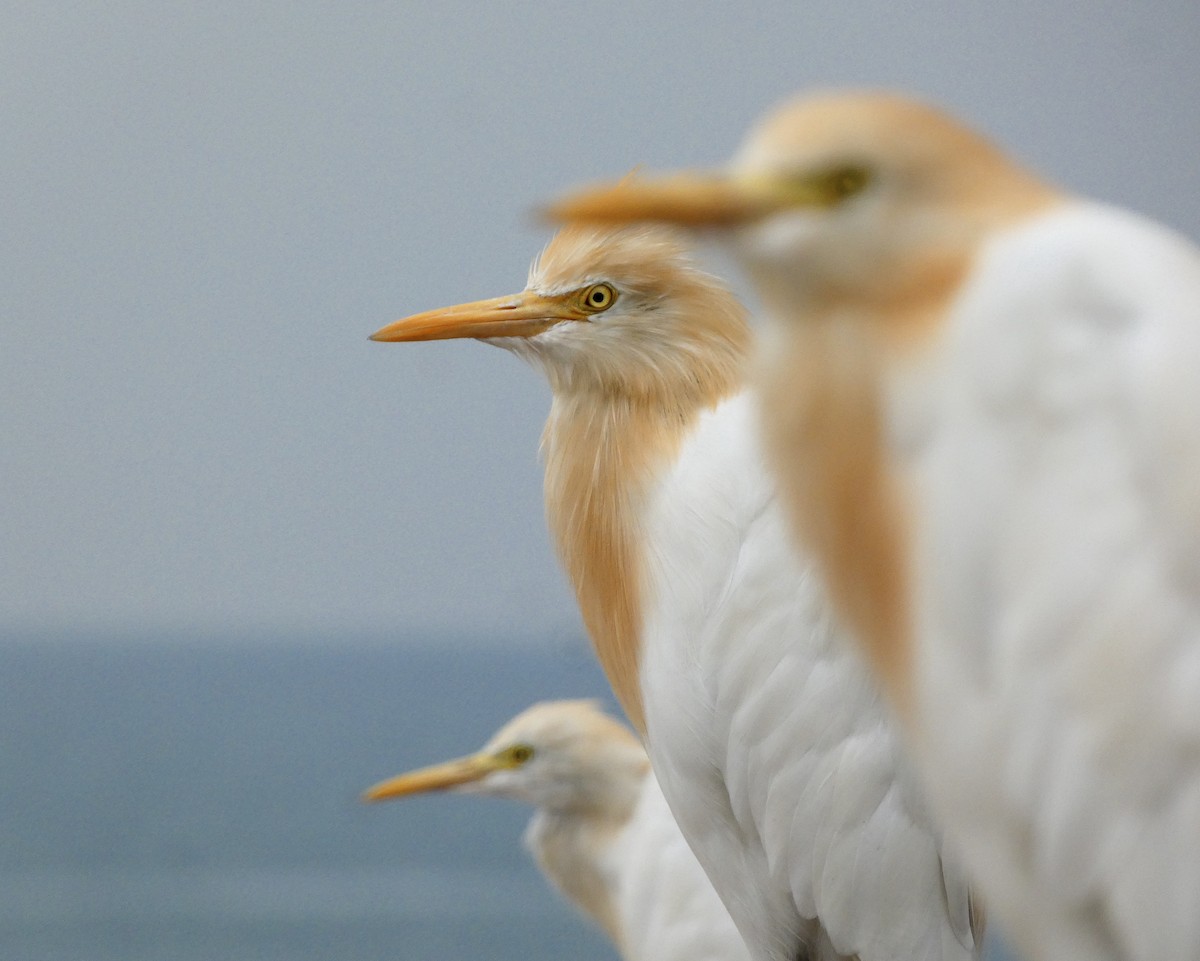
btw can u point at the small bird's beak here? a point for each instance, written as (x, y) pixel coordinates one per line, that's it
(686, 199)
(518, 315)
(438, 777)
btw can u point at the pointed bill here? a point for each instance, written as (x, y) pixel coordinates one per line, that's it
(517, 315)
(686, 199)
(437, 777)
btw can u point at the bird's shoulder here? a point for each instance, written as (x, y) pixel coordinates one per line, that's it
(721, 456)
(1068, 391)
(1069, 395)
(701, 510)
(1052, 296)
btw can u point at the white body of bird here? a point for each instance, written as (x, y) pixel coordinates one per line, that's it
(767, 733)
(784, 771)
(983, 403)
(601, 833)
(1055, 545)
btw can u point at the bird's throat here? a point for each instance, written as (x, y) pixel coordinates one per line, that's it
(572, 852)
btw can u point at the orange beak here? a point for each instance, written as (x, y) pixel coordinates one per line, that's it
(686, 199)
(517, 315)
(438, 777)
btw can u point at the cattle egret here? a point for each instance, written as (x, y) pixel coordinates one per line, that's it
(766, 731)
(983, 402)
(602, 833)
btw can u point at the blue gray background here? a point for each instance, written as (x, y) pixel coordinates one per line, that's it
(204, 210)
(207, 207)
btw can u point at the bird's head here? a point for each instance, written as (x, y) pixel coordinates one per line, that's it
(622, 310)
(843, 195)
(559, 756)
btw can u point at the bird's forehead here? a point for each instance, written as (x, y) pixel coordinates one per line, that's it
(532, 724)
(559, 287)
(882, 128)
(582, 255)
(553, 722)
(562, 280)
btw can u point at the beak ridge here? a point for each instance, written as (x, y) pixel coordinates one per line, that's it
(514, 315)
(686, 199)
(437, 777)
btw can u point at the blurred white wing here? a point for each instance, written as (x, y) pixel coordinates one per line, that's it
(668, 909)
(768, 734)
(1058, 510)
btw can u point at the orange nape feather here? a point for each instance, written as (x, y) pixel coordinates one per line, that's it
(622, 406)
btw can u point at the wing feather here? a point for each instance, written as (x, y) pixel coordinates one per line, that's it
(769, 735)
(1061, 539)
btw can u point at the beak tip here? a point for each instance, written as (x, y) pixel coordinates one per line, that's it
(580, 207)
(547, 214)
(388, 335)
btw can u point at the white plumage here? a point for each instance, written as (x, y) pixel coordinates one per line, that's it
(1006, 381)
(767, 733)
(1056, 501)
(602, 832)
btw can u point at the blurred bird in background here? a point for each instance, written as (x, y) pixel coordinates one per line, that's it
(982, 398)
(766, 731)
(602, 833)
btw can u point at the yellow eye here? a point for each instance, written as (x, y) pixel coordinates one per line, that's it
(843, 182)
(518, 754)
(829, 186)
(598, 297)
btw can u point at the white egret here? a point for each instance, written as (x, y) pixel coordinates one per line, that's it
(602, 832)
(765, 729)
(983, 401)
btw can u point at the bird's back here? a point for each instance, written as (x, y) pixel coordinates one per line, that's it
(1058, 563)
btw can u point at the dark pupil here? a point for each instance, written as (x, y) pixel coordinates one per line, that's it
(597, 296)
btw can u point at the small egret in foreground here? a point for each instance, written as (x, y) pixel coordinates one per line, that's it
(982, 399)
(602, 833)
(767, 733)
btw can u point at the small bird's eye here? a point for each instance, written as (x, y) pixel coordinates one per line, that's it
(599, 297)
(830, 186)
(520, 753)
(845, 182)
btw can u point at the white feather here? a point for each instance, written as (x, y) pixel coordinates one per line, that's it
(767, 732)
(1058, 641)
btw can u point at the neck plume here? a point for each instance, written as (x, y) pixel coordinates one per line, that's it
(603, 451)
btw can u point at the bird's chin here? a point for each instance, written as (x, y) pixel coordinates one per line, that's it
(553, 346)
(514, 344)
(534, 342)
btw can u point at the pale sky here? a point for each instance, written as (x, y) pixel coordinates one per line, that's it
(208, 207)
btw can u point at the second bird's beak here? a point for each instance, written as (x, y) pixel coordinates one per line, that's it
(517, 315)
(438, 777)
(685, 199)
